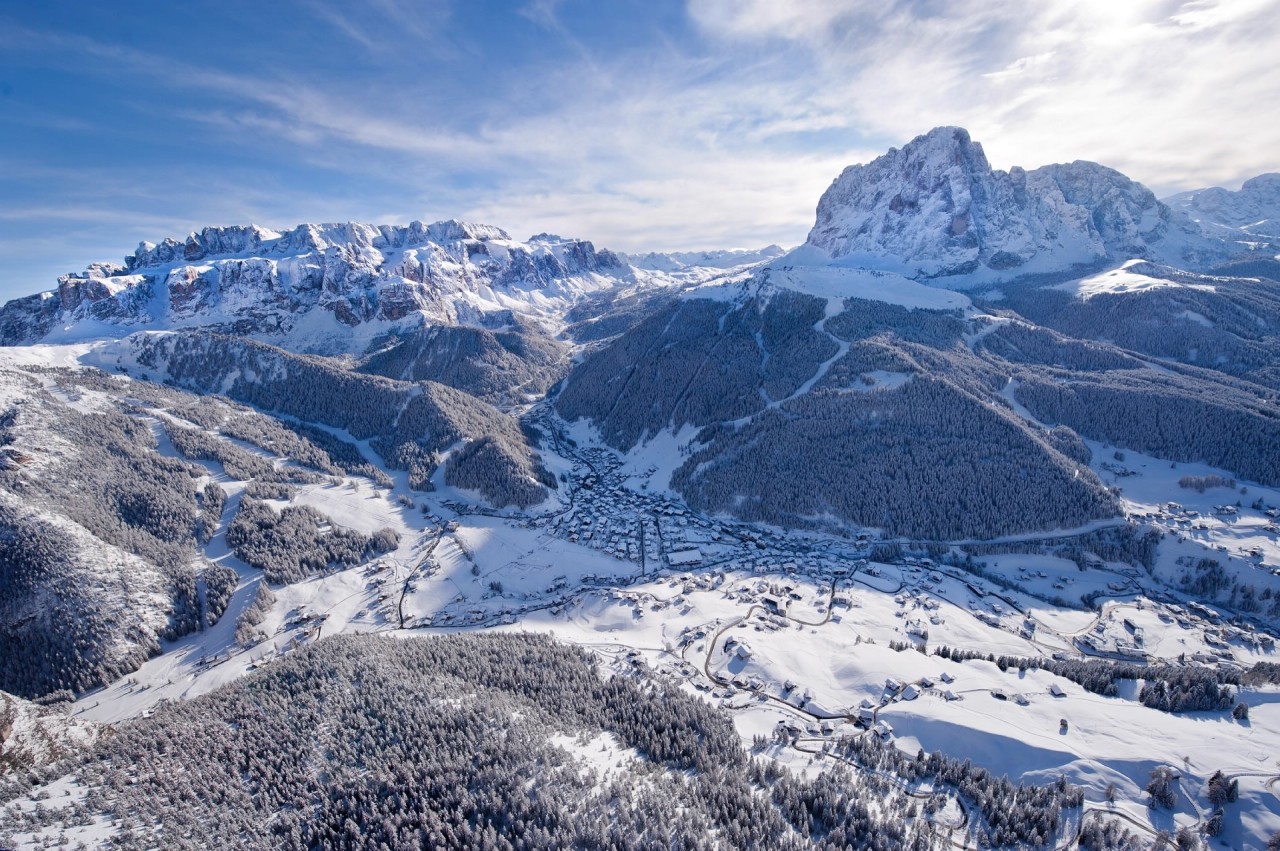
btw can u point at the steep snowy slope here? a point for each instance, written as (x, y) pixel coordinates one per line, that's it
(98, 537)
(32, 735)
(117, 503)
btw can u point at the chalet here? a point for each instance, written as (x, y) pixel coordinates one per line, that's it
(819, 710)
(946, 677)
(1056, 690)
(884, 730)
(910, 692)
(776, 603)
(682, 558)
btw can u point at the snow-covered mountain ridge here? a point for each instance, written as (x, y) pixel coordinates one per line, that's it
(678, 261)
(255, 281)
(935, 208)
(1251, 213)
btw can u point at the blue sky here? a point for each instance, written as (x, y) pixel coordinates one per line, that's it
(641, 125)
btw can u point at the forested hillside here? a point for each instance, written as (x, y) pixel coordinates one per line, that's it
(106, 501)
(98, 535)
(411, 425)
(450, 742)
(874, 414)
(698, 362)
(1231, 325)
(924, 460)
(500, 364)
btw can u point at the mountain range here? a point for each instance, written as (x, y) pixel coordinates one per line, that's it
(933, 210)
(930, 364)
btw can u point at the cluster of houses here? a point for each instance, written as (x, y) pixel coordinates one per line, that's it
(647, 529)
(1185, 521)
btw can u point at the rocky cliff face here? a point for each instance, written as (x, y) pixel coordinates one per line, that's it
(250, 280)
(936, 208)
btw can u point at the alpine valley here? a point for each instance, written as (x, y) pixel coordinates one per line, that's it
(956, 526)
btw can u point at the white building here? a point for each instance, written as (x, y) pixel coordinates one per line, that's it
(682, 558)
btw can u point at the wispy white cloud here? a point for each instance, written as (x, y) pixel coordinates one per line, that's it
(1169, 92)
(382, 27)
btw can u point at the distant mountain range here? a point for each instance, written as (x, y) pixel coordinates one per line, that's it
(1252, 212)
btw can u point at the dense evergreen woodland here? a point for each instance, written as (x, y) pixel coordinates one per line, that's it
(101, 527)
(904, 419)
(498, 364)
(410, 425)
(1230, 326)
(98, 542)
(367, 742)
(298, 541)
(925, 461)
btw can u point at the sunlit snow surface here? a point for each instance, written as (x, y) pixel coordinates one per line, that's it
(1128, 278)
(836, 282)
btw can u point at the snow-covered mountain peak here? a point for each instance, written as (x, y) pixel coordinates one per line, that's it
(936, 209)
(1264, 184)
(1251, 212)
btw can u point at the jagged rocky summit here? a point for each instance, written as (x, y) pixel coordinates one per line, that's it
(935, 208)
